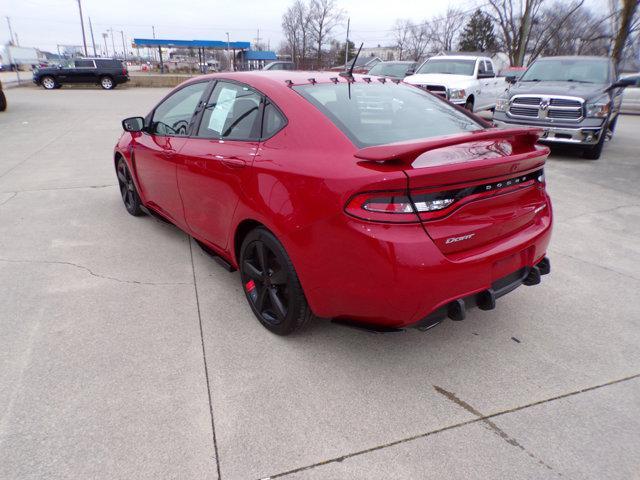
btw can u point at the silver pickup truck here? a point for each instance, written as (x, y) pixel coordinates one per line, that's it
(576, 100)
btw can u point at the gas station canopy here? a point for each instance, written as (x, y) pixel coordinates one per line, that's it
(215, 44)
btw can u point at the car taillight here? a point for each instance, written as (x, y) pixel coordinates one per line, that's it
(428, 203)
(388, 207)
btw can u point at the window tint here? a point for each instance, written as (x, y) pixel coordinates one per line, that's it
(272, 121)
(172, 117)
(375, 113)
(232, 113)
(84, 63)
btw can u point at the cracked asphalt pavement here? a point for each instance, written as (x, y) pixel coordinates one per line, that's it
(126, 352)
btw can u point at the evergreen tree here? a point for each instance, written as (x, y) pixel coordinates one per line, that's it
(340, 55)
(478, 35)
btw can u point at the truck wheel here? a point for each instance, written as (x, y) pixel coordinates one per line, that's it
(3, 101)
(469, 104)
(48, 82)
(593, 153)
(107, 83)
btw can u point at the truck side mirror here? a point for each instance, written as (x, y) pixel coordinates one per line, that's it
(630, 81)
(510, 79)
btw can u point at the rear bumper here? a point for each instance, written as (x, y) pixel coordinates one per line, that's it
(575, 135)
(394, 276)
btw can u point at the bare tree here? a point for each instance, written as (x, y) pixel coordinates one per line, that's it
(402, 35)
(445, 28)
(625, 25)
(419, 39)
(514, 20)
(325, 16)
(296, 26)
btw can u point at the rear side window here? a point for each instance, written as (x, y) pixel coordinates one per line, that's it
(232, 112)
(109, 63)
(84, 64)
(272, 121)
(173, 116)
(376, 113)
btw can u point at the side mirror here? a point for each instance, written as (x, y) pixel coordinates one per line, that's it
(630, 81)
(133, 124)
(510, 78)
(411, 71)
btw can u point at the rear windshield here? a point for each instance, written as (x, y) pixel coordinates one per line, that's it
(376, 113)
(390, 69)
(449, 66)
(590, 70)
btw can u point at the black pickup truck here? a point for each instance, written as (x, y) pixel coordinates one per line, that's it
(576, 100)
(106, 72)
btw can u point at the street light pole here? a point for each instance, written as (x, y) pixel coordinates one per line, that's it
(113, 43)
(10, 31)
(93, 41)
(124, 48)
(84, 39)
(106, 49)
(228, 52)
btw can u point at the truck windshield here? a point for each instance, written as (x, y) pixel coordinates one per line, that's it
(450, 66)
(376, 113)
(584, 70)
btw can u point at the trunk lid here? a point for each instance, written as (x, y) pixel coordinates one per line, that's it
(472, 189)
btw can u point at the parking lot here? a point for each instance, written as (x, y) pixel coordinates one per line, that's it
(126, 352)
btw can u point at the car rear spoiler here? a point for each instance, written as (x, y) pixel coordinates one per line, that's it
(520, 139)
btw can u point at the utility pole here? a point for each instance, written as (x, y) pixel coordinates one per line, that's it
(153, 30)
(258, 40)
(124, 47)
(17, 41)
(10, 30)
(346, 45)
(93, 41)
(105, 35)
(228, 52)
(113, 43)
(84, 39)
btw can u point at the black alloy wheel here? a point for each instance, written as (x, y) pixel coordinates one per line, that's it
(128, 190)
(271, 283)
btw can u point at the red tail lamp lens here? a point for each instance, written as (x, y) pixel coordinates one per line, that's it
(382, 207)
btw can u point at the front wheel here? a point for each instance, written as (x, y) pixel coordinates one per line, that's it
(271, 284)
(128, 191)
(469, 105)
(3, 101)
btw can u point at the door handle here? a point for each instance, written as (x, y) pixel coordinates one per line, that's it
(233, 162)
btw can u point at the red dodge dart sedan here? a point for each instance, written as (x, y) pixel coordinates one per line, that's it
(367, 201)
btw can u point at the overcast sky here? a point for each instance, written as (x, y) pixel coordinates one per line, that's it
(46, 23)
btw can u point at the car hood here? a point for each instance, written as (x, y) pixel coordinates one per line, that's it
(438, 79)
(586, 91)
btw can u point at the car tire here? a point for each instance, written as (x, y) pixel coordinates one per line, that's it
(128, 190)
(3, 101)
(271, 284)
(593, 153)
(469, 105)
(48, 82)
(107, 83)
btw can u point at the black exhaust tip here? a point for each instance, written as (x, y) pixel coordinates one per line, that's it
(545, 266)
(533, 278)
(486, 300)
(456, 310)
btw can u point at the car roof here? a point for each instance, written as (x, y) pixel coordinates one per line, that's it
(403, 62)
(458, 57)
(275, 78)
(575, 57)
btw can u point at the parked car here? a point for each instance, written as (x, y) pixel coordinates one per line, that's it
(631, 97)
(386, 217)
(576, 100)
(466, 80)
(280, 65)
(397, 70)
(512, 72)
(362, 64)
(106, 72)
(3, 99)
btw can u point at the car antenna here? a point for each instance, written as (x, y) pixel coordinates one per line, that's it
(349, 74)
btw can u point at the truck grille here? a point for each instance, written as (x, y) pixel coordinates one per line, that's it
(439, 90)
(543, 107)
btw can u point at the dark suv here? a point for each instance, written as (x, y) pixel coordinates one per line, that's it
(576, 100)
(106, 72)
